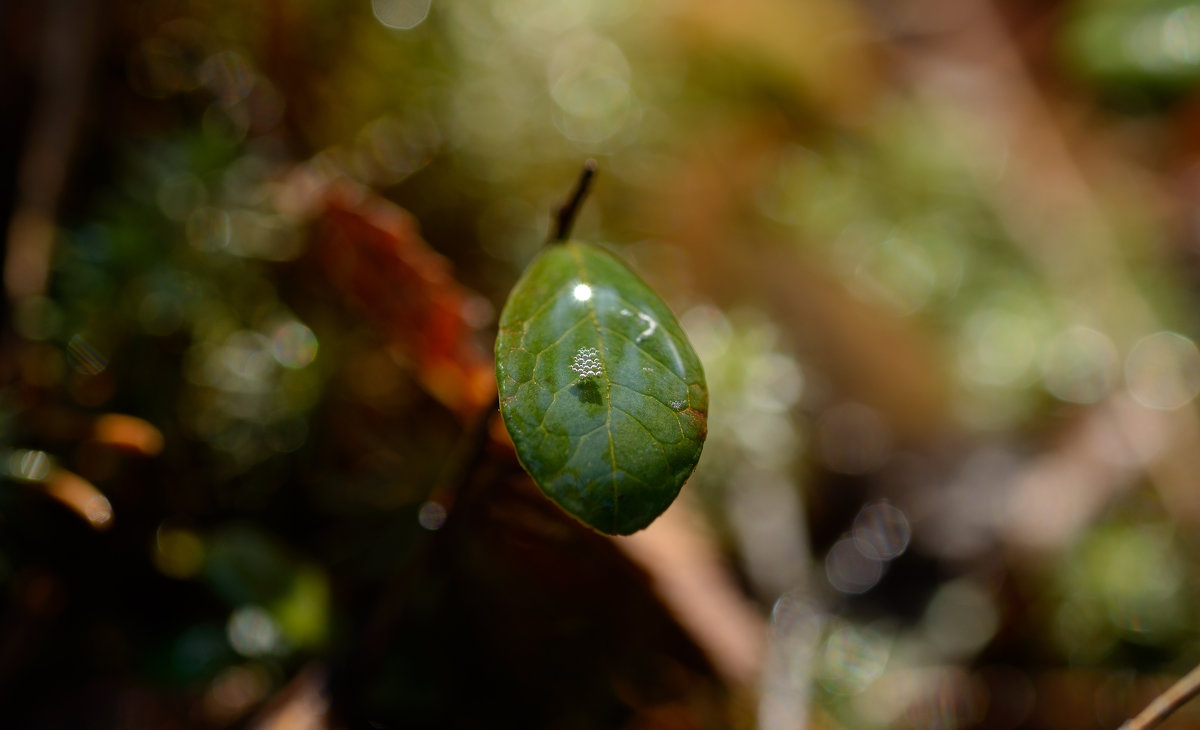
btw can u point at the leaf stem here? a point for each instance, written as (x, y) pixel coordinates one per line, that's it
(1166, 703)
(565, 217)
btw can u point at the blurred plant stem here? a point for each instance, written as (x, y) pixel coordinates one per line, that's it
(1166, 703)
(55, 120)
(458, 490)
(1051, 205)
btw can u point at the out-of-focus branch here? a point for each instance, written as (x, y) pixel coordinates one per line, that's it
(1166, 703)
(1047, 201)
(692, 581)
(303, 704)
(54, 124)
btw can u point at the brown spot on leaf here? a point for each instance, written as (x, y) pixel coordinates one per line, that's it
(699, 419)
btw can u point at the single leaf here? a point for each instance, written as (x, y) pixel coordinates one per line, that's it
(601, 391)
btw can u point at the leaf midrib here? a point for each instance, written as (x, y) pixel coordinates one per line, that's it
(577, 257)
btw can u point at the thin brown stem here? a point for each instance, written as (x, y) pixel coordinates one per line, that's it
(1166, 703)
(565, 218)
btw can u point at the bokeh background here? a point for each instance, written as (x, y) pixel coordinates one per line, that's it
(939, 258)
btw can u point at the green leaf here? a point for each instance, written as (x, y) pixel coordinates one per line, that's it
(601, 391)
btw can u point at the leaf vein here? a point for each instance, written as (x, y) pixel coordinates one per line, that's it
(659, 444)
(561, 337)
(529, 318)
(648, 355)
(612, 448)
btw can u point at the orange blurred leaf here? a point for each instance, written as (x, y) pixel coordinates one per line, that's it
(81, 497)
(128, 432)
(372, 252)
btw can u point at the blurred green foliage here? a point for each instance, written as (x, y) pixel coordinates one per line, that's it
(942, 285)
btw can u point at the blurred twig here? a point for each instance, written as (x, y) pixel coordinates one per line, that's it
(1048, 202)
(54, 124)
(690, 577)
(1166, 703)
(302, 704)
(460, 488)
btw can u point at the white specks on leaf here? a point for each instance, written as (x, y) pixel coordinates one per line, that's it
(586, 363)
(677, 405)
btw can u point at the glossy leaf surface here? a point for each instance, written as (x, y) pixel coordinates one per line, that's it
(601, 392)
